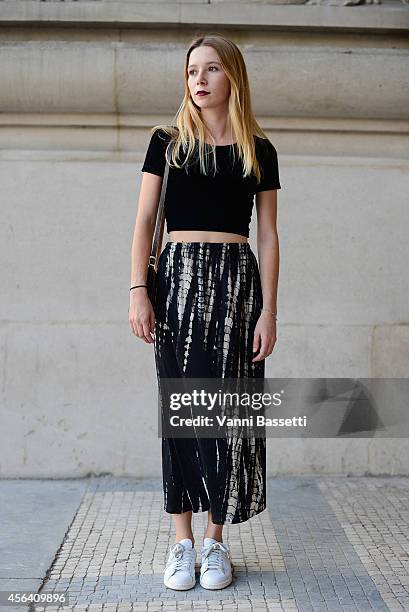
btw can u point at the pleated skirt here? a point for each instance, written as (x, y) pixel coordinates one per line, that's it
(208, 303)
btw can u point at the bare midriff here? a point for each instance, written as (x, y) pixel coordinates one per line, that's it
(202, 236)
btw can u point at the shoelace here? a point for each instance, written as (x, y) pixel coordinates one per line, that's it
(182, 557)
(213, 555)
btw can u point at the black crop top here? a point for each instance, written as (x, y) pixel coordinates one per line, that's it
(220, 203)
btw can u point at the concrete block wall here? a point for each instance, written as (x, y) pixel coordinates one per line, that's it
(80, 86)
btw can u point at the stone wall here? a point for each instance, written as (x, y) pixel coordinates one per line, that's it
(81, 83)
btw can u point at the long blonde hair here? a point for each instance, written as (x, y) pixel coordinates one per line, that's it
(241, 122)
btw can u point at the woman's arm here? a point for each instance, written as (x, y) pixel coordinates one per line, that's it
(265, 333)
(141, 314)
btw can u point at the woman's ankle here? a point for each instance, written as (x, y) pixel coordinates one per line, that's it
(215, 535)
(183, 537)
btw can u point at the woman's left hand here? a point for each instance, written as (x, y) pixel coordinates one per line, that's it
(265, 336)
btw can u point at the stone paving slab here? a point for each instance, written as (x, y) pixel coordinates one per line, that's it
(375, 519)
(324, 544)
(34, 517)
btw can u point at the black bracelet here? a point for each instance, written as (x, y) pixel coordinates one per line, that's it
(135, 286)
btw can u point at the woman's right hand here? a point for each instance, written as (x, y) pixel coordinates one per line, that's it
(141, 315)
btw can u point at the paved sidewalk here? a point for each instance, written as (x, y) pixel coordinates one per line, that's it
(324, 544)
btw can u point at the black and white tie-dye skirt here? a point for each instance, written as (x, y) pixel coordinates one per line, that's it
(208, 303)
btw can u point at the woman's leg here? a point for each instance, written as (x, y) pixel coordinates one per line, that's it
(213, 531)
(183, 525)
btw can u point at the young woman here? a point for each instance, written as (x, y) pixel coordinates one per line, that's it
(216, 310)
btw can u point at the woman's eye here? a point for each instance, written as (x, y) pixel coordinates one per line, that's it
(210, 67)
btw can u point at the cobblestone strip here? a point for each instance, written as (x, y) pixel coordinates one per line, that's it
(114, 554)
(324, 571)
(374, 514)
(240, 605)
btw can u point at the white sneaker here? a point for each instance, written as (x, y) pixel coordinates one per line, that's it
(216, 571)
(180, 566)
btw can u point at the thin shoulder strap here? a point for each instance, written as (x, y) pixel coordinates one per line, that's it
(160, 219)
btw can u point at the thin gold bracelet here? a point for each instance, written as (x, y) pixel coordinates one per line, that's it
(274, 314)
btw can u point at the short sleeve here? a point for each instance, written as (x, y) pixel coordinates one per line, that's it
(155, 155)
(269, 169)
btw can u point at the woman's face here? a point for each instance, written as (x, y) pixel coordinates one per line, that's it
(205, 73)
